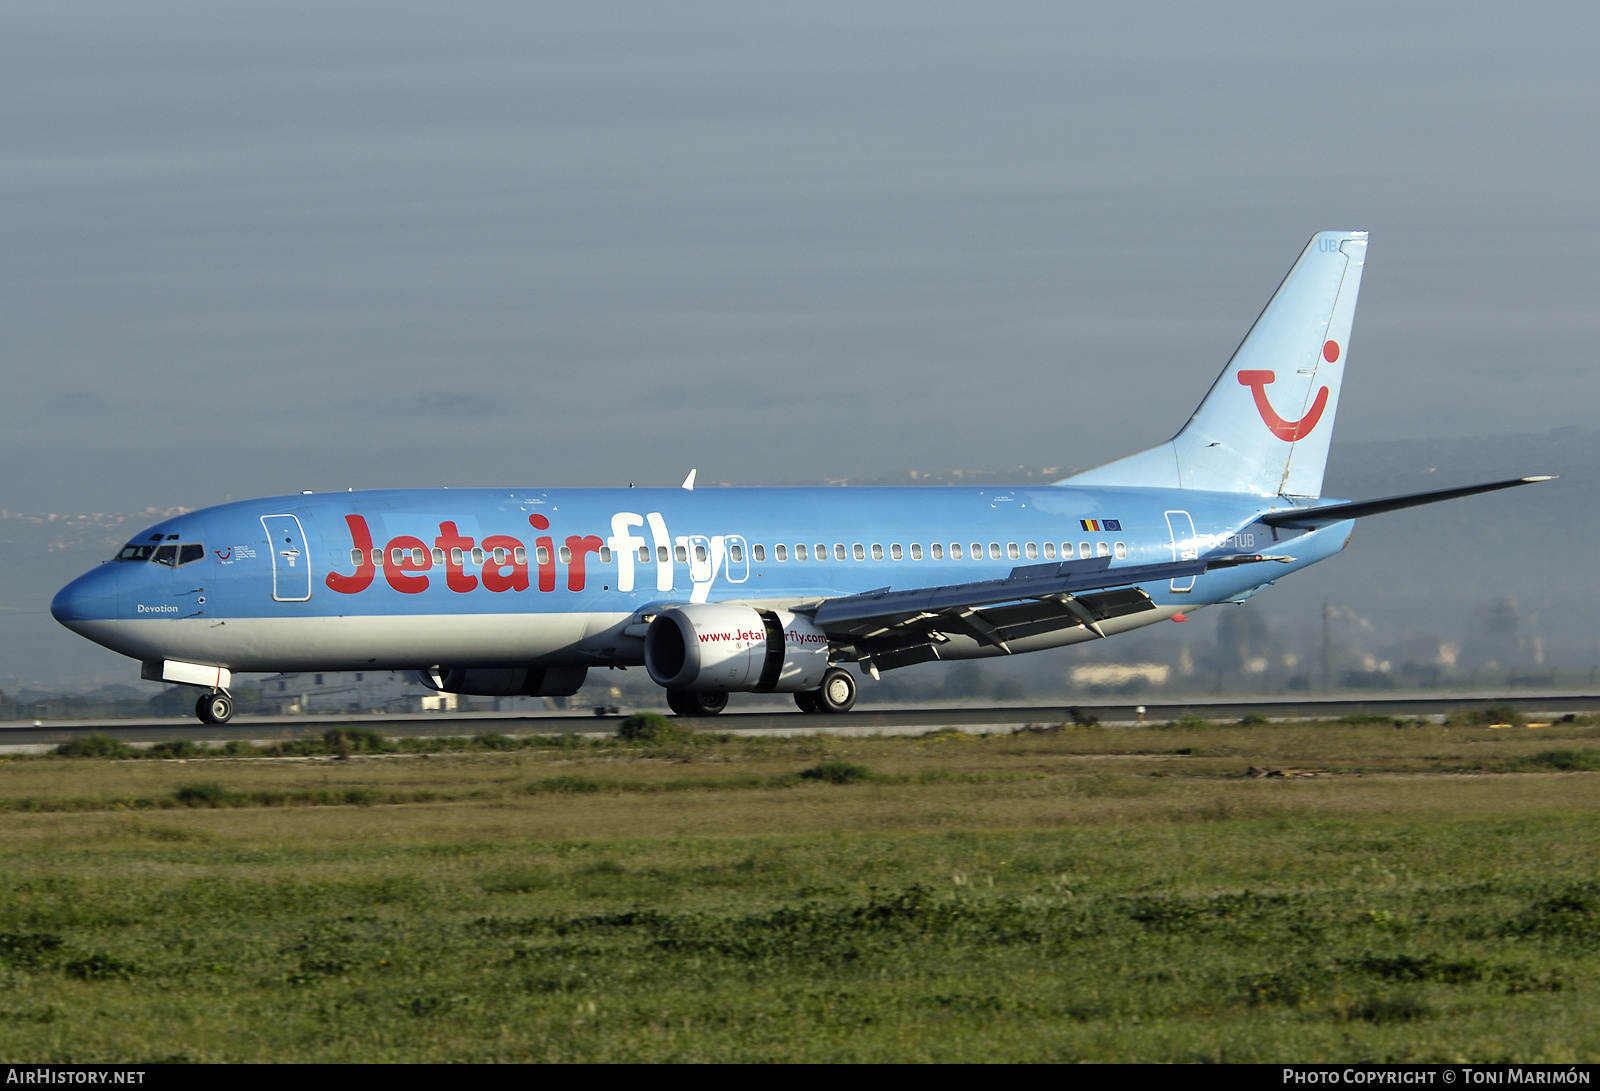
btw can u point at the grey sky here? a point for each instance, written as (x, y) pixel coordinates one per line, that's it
(257, 248)
(249, 249)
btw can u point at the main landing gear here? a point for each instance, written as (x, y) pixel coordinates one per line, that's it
(693, 702)
(214, 708)
(838, 693)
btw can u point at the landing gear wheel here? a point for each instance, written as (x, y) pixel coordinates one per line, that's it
(807, 700)
(214, 708)
(838, 692)
(693, 702)
(707, 704)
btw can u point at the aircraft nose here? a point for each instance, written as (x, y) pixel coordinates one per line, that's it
(90, 597)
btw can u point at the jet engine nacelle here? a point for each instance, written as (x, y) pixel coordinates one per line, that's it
(506, 681)
(713, 646)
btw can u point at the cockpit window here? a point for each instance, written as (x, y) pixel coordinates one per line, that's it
(170, 555)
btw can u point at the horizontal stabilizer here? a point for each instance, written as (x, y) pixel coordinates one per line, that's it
(1311, 518)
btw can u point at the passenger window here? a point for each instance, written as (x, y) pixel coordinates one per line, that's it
(419, 556)
(955, 551)
(682, 553)
(800, 552)
(1084, 551)
(477, 555)
(896, 553)
(395, 556)
(358, 557)
(822, 552)
(1049, 551)
(1121, 551)
(190, 552)
(700, 553)
(938, 551)
(438, 557)
(994, 551)
(1012, 552)
(661, 554)
(838, 551)
(759, 552)
(916, 551)
(644, 554)
(782, 553)
(977, 551)
(542, 553)
(520, 555)
(735, 554)
(860, 553)
(457, 558)
(1102, 550)
(1031, 551)
(565, 553)
(877, 552)
(377, 557)
(605, 555)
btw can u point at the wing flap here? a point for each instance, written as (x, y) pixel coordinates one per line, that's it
(890, 608)
(917, 638)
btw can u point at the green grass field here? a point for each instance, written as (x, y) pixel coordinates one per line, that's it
(1097, 894)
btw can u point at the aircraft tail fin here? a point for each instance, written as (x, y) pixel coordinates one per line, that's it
(1265, 424)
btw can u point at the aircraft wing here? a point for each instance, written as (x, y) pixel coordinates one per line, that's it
(897, 628)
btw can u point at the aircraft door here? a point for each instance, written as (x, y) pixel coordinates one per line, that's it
(291, 561)
(737, 552)
(1184, 546)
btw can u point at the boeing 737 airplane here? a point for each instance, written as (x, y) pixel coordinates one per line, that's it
(717, 591)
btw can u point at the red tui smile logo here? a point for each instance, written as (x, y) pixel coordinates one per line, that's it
(1286, 430)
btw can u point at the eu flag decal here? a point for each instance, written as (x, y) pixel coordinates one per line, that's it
(1111, 524)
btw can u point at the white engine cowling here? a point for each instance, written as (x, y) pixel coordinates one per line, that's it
(713, 646)
(506, 681)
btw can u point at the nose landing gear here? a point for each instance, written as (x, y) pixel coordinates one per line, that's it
(214, 708)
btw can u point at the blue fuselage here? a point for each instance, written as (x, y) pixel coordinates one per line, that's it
(409, 578)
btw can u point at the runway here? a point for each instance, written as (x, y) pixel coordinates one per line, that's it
(867, 721)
